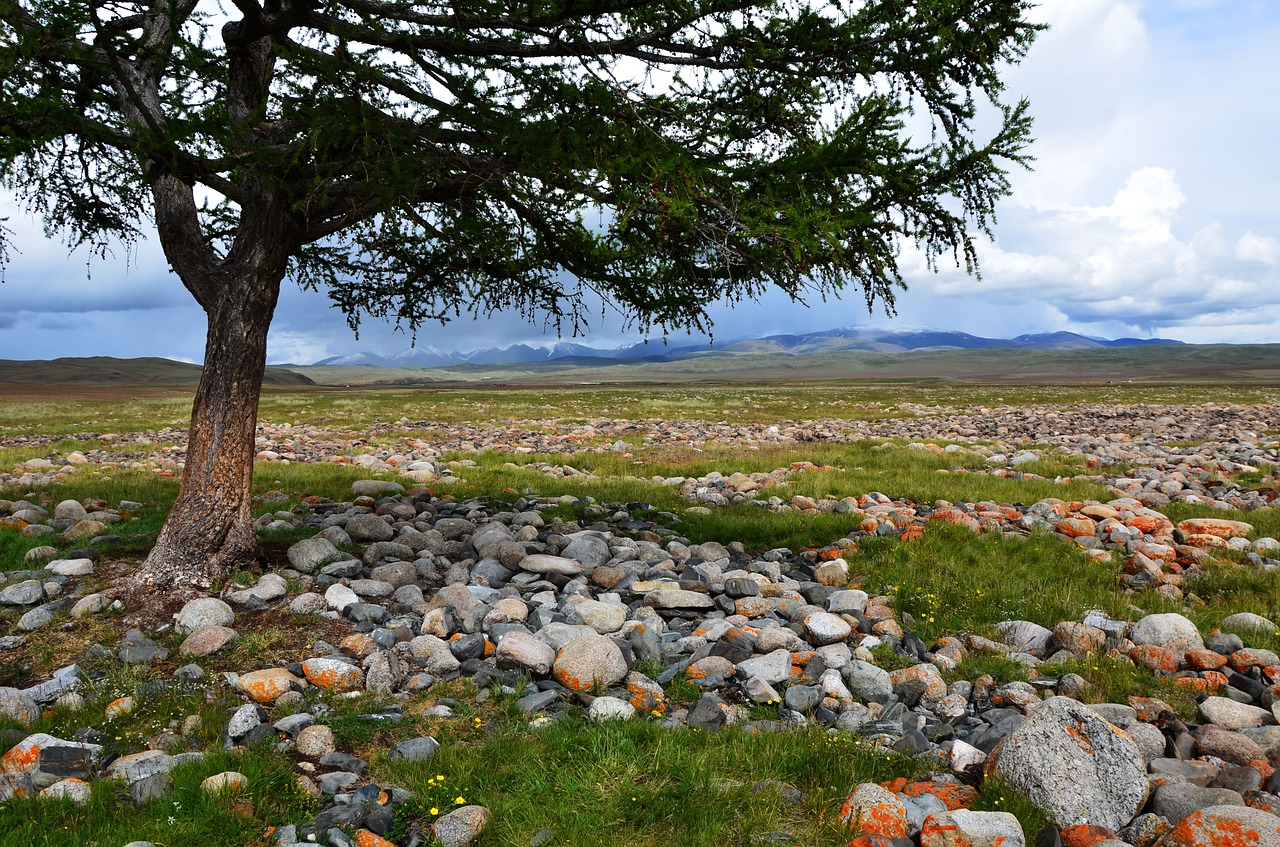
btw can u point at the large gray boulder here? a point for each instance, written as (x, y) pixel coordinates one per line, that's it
(1166, 630)
(367, 528)
(311, 554)
(1074, 766)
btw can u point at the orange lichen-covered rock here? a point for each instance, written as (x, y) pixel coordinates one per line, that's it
(266, 686)
(1218, 527)
(333, 674)
(1225, 826)
(963, 828)
(22, 757)
(1204, 539)
(1077, 526)
(15, 785)
(954, 795)
(645, 694)
(1148, 708)
(366, 838)
(1198, 659)
(1167, 659)
(895, 785)
(871, 810)
(1086, 835)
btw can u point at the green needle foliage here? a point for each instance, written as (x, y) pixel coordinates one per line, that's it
(421, 159)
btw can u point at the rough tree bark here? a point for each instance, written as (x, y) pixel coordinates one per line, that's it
(210, 533)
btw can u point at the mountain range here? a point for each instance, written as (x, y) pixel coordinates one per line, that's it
(870, 339)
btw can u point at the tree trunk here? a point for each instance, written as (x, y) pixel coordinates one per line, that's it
(210, 532)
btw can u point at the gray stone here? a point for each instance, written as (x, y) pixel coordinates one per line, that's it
(375, 488)
(866, 681)
(25, 593)
(678, 599)
(71, 567)
(311, 554)
(416, 749)
(604, 618)
(521, 650)
(610, 709)
(1074, 766)
(1248, 621)
(543, 564)
(202, 612)
(271, 586)
(339, 597)
(70, 510)
(1177, 800)
(432, 655)
(243, 720)
(773, 668)
(90, 604)
(973, 829)
(822, 628)
(18, 706)
(36, 618)
(589, 549)
(709, 714)
(847, 601)
(1229, 714)
(461, 827)
(315, 741)
(366, 528)
(1025, 637)
(1166, 630)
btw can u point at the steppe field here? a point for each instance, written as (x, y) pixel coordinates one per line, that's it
(742, 613)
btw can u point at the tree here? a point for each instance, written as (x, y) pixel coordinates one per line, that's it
(419, 160)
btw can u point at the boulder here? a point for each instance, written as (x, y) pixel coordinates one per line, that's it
(1073, 765)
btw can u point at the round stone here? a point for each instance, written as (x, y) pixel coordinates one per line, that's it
(229, 781)
(75, 790)
(520, 650)
(265, 686)
(1166, 630)
(315, 741)
(461, 827)
(1225, 826)
(208, 640)
(589, 662)
(333, 674)
(203, 612)
(368, 528)
(311, 554)
(609, 709)
(822, 628)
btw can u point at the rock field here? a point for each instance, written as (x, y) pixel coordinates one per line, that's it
(606, 613)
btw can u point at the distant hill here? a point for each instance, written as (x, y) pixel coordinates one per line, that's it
(108, 371)
(869, 339)
(1174, 363)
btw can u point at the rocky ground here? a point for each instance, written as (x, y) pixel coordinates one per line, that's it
(606, 613)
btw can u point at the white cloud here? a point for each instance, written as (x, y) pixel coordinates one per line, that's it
(1257, 248)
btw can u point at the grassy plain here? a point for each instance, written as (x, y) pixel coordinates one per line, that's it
(620, 784)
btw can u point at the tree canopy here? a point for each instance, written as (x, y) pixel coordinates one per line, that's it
(418, 159)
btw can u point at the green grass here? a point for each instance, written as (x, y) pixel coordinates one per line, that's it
(138, 410)
(637, 783)
(190, 818)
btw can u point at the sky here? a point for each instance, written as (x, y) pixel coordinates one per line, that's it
(1151, 211)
